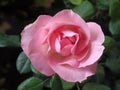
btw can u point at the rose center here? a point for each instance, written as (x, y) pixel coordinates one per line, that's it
(65, 42)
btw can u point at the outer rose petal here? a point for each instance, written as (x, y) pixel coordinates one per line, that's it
(72, 74)
(38, 53)
(40, 63)
(30, 30)
(97, 35)
(94, 54)
(96, 48)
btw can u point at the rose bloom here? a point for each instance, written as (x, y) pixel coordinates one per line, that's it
(64, 44)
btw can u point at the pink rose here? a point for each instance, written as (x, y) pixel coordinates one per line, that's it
(64, 44)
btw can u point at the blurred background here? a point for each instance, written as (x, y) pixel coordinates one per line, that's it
(16, 14)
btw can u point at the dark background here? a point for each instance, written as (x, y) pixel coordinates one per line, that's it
(18, 14)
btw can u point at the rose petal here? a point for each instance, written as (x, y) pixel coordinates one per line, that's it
(68, 33)
(66, 50)
(53, 40)
(30, 30)
(94, 54)
(40, 63)
(97, 35)
(64, 42)
(72, 74)
(57, 45)
(74, 61)
(81, 43)
(71, 61)
(38, 54)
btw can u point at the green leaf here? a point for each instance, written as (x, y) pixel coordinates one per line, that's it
(4, 2)
(68, 4)
(117, 85)
(94, 86)
(67, 85)
(114, 10)
(56, 83)
(109, 43)
(77, 85)
(113, 62)
(76, 2)
(48, 83)
(39, 2)
(85, 9)
(100, 73)
(114, 54)
(32, 83)
(23, 63)
(102, 4)
(9, 40)
(114, 27)
(38, 73)
(113, 65)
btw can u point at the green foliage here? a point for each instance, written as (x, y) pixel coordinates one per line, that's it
(76, 2)
(77, 85)
(48, 83)
(94, 86)
(6, 2)
(56, 83)
(67, 85)
(32, 83)
(113, 62)
(85, 9)
(100, 74)
(114, 10)
(114, 24)
(102, 4)
(117, 85)
(114, 27)
(23, 63)
(114, 65)
(39, 2)
(109, 43)
(68, 4)
(9, 41)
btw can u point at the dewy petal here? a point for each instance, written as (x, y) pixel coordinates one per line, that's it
(38, 54)
(97, 35)
(94, 54)
(30, 30)
(72, 74)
